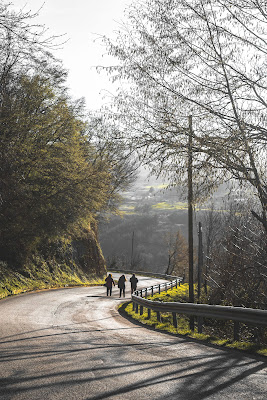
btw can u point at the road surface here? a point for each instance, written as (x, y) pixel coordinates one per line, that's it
(73, 344)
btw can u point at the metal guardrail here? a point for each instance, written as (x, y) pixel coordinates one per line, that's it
(160, 287)
(146, 273)
(237, 314)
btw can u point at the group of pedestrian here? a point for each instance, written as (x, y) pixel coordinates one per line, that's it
(121, 284)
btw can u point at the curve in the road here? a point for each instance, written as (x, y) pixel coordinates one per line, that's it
(73, 344)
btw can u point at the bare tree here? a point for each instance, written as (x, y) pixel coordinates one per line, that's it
(203, 58)
(212, 233)
(26, 48)
(237, 273)
(113, 153)
(178, 254)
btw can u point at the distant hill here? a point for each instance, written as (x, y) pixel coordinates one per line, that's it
(150, 213)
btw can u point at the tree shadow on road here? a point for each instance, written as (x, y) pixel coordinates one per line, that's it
(187, 377)
(173, 368)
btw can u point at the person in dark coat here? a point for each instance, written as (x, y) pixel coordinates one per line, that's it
(109, 282)
(133, 281)
(121, 285)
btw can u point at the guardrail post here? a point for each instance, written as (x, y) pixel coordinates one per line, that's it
(152, 291)
(166, 287)
(236, 330)
(192, 323)
(257, 333)
(199, 324)
(174, 319)
(146, 293)
(236, 315)
(171, 284)
(179, 282)
(141, 293)
(176, 283)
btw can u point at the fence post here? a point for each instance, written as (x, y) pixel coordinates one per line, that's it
(133, 305)
(257, 333)
(192, 323)
(141, 292)
(174, 319)
(158, 316)
(148, 313)
(236, 330)
(141, 310)
(136, 308)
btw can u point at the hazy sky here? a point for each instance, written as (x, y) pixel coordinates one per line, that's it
(80, 20)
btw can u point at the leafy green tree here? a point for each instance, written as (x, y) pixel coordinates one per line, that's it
(50, 182)
(53, 179)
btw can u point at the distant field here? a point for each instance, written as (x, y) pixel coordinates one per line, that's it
(127, 209)
(162, 186)
(166, 206)
(157, 197)
(161, 206)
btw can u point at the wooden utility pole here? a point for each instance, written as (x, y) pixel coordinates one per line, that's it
(132, 250)
(190, 219)
(200, 260)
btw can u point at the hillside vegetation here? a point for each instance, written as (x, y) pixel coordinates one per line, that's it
(40, 275)
(57, 170)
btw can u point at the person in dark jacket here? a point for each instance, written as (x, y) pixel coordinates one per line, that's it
(109, 282)
(121, 285)
(133, 281)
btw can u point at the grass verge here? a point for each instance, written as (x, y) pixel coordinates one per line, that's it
(179, 294)
(40, 276)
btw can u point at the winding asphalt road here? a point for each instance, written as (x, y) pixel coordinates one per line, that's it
(73, 344)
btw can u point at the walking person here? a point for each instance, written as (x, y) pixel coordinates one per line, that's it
(133, 281)
(121, 285)
(109, 282)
